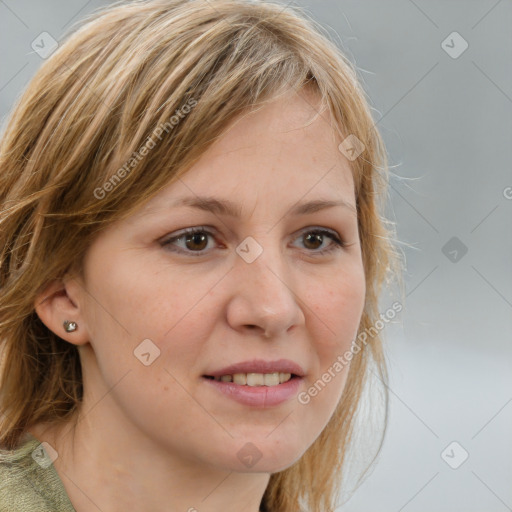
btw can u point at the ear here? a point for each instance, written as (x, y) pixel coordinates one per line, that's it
(58, 302)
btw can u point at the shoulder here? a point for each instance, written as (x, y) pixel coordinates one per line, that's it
(28, 480)
(16, 473)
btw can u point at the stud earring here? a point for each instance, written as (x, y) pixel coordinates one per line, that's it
(70, 326)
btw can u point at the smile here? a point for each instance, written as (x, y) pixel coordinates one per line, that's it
(255, 379)
(253, 392)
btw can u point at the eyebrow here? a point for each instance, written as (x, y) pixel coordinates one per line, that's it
(229, 208)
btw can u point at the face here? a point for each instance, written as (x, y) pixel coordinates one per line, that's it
(269, 284)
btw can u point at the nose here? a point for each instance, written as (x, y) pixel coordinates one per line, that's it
(264, 299)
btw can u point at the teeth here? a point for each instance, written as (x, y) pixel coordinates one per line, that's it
(240, 378)
(271, 379)
(256, 379)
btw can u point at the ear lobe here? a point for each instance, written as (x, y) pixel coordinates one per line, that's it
(54, 306)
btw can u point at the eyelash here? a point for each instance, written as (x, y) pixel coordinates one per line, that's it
(337, 242)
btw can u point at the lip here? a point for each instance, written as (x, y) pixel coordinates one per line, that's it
(258, 396)
(260, 366)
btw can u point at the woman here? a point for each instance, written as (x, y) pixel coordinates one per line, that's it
(191, 250)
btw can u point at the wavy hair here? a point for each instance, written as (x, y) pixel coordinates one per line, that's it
(92, 105)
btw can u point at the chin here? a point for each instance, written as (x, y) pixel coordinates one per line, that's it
(263, 456)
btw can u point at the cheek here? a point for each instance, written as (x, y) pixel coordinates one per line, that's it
(143, 303)
(173, 311)
(334, 320)
(337, 309)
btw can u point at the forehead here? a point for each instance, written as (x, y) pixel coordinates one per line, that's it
(283, 152)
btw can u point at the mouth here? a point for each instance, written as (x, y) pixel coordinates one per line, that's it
(256, 390)
(255, 379)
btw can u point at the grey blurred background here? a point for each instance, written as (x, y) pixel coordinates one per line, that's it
(439, 77)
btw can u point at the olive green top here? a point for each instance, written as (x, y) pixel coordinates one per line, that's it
(29, 481)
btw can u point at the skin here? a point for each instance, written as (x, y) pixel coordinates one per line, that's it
(159, 437)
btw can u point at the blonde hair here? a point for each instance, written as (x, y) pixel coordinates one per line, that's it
(91, 107)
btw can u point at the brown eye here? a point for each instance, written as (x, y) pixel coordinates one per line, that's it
(314, 238)
(192, 241)
(196, 241)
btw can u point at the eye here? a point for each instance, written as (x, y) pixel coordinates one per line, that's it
(195, 240)
(317, 236)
